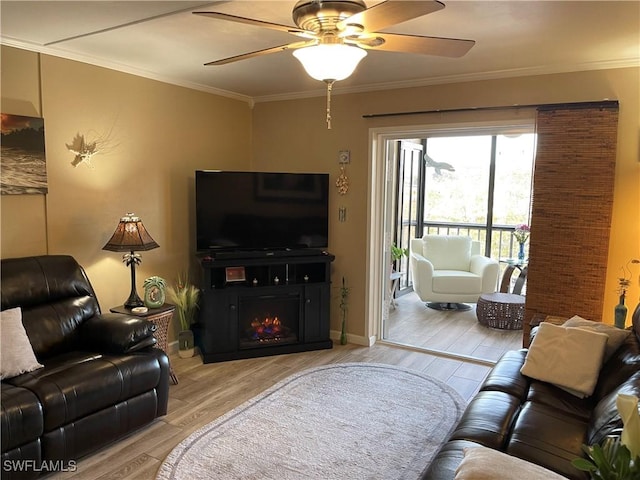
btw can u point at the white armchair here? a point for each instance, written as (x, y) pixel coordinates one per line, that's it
(448, 271)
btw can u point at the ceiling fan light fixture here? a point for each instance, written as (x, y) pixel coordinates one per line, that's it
(331, 62)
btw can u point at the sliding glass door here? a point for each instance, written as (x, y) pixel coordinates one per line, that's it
(461, 181)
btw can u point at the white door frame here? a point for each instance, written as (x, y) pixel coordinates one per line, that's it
(381, 168)
(381, 165)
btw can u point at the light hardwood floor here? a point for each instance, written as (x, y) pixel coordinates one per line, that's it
(207, 391)
(455, 332)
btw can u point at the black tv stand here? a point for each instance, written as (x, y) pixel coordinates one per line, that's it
(298, 252)
(234, 254)
(240, 292)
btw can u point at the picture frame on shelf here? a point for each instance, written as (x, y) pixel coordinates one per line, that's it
(235, 274)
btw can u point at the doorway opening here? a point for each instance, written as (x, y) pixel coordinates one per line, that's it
(473, 180)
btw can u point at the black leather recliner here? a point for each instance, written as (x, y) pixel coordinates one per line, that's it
(101, 380)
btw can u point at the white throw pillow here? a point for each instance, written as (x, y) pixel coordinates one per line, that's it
(482, 463)
(567, 357)
(16, 352)
(617, 336)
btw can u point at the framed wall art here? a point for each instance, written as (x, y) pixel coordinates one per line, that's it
(23, 167)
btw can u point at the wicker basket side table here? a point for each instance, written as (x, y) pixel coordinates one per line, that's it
(501, 310)
(162, 318)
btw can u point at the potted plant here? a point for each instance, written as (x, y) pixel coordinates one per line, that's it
(618, 458)
(185, 297)
(624, 282)
(397, 253)
(521, 233)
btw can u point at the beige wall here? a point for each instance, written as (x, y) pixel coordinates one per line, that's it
(154, 136)
(309, 146)
(157, 135)
(23, 224)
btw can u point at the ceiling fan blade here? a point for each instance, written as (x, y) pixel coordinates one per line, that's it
(390, 13)
(258, 23)
(257, 53)
(393, 42)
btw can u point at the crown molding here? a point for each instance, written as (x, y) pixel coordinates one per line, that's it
(337, 89)
(58, 52)
(458, 78)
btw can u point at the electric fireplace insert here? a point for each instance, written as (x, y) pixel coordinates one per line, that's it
(268, 320)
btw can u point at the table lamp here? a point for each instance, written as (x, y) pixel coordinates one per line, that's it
(130, 235)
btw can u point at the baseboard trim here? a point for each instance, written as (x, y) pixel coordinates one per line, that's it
(172, 347)
(356, 339)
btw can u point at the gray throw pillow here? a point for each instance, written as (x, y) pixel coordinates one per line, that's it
(16, 352)
(616, 335)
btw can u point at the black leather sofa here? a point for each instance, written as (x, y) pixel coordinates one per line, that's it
(537, 421)
(102, 376)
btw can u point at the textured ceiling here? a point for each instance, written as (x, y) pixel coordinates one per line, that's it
(165, 41)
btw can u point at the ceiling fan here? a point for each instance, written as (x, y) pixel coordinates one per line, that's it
(336, 34)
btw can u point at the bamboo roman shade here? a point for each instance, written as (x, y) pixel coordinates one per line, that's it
(571, 210)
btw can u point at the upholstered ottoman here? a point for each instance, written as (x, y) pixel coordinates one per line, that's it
(501, 310)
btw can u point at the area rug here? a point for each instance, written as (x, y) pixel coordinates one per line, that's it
(340, 421)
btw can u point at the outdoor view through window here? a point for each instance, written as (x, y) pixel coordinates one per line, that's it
(476, 185)
(462, 196)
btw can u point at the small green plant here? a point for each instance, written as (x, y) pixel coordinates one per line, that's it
(397, 253)
(344, 297)
(185, 297)
(624, 281)
(619, 457)
(611, 461)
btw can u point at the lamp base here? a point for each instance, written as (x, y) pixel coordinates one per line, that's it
(133, 301)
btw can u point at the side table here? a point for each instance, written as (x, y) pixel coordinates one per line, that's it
(501, 310)
(512, 264)
(162, 318)
(394, 278)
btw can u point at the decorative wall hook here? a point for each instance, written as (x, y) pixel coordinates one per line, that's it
(82, 149)
(342, 183)
(85, 146)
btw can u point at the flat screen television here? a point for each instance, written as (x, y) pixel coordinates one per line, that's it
(261, 210)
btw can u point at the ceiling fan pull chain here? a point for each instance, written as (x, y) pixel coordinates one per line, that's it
(329, 88)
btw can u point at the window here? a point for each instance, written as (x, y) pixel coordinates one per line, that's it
(456, 179)
(475, 182)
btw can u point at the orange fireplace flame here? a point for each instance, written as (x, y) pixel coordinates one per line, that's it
(269, 327)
